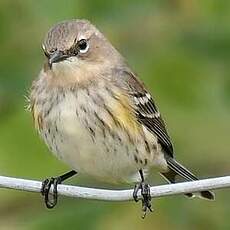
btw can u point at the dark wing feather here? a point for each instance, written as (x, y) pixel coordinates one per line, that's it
(149, 116)
(147, 112)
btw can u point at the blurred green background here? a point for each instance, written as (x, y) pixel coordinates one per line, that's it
(180, 48)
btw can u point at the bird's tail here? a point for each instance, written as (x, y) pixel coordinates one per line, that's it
(176, 168)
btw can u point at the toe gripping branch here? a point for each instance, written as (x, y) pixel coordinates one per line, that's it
(145, 193)
(51, 198)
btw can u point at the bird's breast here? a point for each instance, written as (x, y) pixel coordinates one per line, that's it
(95, 133)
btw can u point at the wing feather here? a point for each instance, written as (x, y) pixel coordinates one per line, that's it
(147, 112)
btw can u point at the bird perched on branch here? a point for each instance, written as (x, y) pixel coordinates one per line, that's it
(97, 116)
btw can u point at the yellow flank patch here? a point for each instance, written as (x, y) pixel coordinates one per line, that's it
(124, 114)
(38, 121)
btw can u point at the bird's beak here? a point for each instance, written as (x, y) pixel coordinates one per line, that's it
(57, 56)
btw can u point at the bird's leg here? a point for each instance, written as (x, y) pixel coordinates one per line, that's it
(51, 199)
(145, 192)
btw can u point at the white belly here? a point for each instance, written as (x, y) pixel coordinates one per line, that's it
(75, 136)
(107, 158)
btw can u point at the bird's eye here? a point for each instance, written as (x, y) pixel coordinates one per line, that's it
(45, 51)
(83, 46)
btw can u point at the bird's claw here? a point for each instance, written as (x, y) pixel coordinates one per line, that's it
(50, 198)
(146, 198)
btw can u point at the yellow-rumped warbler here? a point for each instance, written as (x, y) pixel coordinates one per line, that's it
(95, 115)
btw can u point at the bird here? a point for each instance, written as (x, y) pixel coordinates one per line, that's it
(95, 114)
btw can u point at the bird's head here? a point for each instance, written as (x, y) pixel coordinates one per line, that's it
(76, 50)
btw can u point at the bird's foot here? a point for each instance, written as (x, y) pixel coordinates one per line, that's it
(146, 198)
(51, 198)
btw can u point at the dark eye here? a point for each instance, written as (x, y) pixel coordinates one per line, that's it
(83, 46)
(45, 51)
(46, 54)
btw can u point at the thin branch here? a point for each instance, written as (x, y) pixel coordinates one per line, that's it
(118, 195)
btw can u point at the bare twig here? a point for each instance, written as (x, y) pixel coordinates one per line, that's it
(118, 195)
